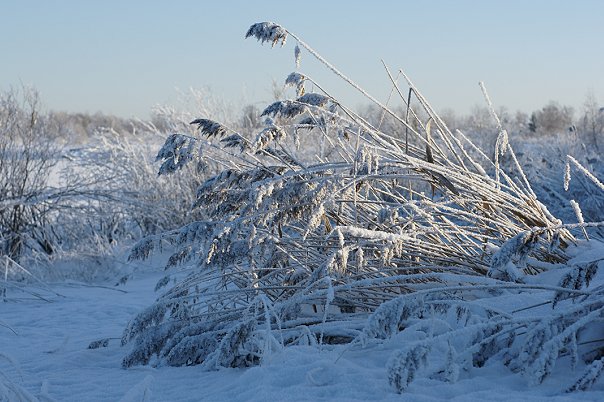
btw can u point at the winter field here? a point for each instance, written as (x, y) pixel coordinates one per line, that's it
(305, 251)
(50, 359)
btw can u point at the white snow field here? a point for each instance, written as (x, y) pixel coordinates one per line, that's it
(44, 355)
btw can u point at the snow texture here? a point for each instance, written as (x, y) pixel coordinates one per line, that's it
(73, 353)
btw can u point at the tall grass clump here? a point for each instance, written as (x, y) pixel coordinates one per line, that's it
(344, 243)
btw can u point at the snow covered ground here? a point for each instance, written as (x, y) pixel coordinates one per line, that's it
(47, 355)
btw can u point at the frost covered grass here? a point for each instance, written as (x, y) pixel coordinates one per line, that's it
(377, 231)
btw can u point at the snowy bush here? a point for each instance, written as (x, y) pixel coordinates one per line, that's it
(137, 202)
(60, 203)
(395, 225)
(27, 156)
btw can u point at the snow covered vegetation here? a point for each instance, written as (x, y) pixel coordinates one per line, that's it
(391, 239)
(377, 232)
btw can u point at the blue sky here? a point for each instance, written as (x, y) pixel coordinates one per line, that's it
(125, 57)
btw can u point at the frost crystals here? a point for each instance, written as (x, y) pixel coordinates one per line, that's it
(268, 32)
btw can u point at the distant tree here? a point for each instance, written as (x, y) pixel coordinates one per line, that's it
(277, 90)
(481, 127)
(532, 125)
(520, 123)
(593, 118)
(504, 116)
(378, 118)
(552, 119)
(479, 120)
(450, 118)
(251, 118)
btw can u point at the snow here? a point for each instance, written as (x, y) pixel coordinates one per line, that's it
(52, 362)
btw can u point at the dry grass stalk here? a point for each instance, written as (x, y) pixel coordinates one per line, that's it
(382, 213)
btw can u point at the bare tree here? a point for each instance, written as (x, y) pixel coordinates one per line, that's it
(27, 156)
(251, 118)
(553, 119)
(593, 118)
(450, 118)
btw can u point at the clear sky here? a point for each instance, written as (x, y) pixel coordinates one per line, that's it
(124, 57)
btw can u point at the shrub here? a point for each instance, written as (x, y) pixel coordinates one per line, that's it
(27, 156)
